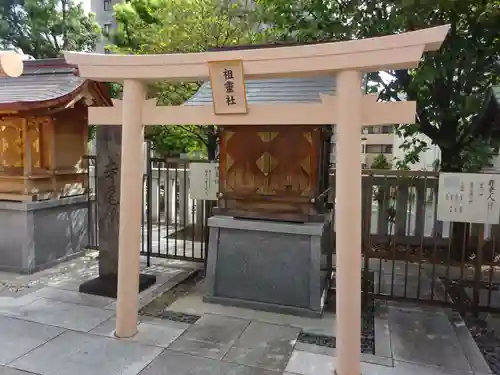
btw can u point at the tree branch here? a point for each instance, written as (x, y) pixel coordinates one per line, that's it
(198, 135)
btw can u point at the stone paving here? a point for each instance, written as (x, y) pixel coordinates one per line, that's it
(54, 330)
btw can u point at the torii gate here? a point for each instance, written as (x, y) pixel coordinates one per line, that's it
(11, 64)
(349, 109)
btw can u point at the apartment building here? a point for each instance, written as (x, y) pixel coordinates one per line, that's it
(375, 140)
(103, 10)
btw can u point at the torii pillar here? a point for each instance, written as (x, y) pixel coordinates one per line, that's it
(134, 94)
(348, 223)
(349, 110)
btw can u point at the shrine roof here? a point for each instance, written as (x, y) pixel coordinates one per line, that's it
(43, 83)
(275, 90)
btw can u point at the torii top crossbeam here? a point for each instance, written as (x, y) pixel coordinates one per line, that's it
(400, 51)
(366, 55)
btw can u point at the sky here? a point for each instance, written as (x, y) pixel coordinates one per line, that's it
(86, 5)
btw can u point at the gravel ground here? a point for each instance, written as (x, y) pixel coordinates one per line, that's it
(367, 335)
(487, 339)
(367, 320)
(157, 307)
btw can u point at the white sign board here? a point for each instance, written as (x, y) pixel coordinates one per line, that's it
(469, 198)
(204, 180)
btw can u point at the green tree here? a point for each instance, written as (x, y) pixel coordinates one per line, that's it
(380, 162)
(180, 26)
(449, 84)
(45, 28)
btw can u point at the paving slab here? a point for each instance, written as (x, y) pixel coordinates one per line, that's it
(403, 368)
(304, 363)
(75, 353)
(62, 314)
(264, 345)
(73, 297)
(19, 337)
(161, 335)
(10, 304)
(425, 338)
(382, 332)
(12, 371)
(211, 336)
(193, 304)
(172, 363)
(332, 352)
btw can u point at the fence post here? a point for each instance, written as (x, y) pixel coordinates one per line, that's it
(149, 204)
(384, 204)
(401, 209)
(420, 209)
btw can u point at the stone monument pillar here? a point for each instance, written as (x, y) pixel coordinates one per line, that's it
(108, 166)
(108, 154)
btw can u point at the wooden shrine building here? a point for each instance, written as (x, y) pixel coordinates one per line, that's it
(275, 172)
(43, 130)
(44, 207)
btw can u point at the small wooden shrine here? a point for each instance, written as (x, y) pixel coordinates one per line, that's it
(274, 172)
(44, 130)
(268, 172)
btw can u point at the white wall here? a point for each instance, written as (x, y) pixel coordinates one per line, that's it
(427, 157)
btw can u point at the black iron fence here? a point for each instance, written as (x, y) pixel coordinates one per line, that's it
(415, 257)
(174, 225)
(408, 254)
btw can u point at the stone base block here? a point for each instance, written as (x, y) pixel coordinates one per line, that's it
(108, 286)
(36, 235)
(268, 265)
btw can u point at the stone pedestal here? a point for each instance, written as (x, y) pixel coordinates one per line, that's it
(271, 266)
(37, 235)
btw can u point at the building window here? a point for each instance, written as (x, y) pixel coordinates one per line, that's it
(386, 129)
(379, 149)
(106, 28)
(107, 5)
(373, 149)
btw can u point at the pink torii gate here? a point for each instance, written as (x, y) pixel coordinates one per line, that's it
(11, 64)
(349, 109)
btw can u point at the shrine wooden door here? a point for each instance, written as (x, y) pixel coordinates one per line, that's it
(269, 172)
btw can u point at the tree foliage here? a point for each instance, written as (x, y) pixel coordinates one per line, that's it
(45, 28)
(449, 85)
(180, 26)
(380, 162)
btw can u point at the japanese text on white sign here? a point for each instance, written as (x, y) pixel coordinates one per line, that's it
(469, 198)
(204, 180)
